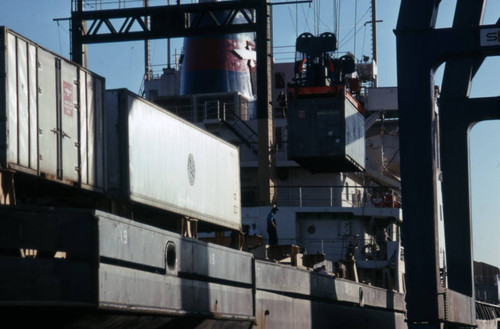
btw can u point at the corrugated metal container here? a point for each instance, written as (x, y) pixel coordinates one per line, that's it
(51, 114)
(156, 158)
(382, 99)
(326, 134)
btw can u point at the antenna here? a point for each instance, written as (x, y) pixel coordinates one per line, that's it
(374, 31)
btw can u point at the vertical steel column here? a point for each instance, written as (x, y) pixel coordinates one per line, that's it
(265, 120)
(147, 64)
(418, 165)
(76, 34)
(454, 127)
(421, 48)
(374, 30)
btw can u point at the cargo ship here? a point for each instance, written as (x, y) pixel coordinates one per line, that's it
(120, 211)
(105, 198)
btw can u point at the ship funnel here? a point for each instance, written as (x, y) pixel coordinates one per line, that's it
(218, 63)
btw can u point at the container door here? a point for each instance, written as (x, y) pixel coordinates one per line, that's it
(22, 103)
(33, 123)
(11, 109)
(47, 113)
(97, 99)
(91, 131)
(84, 127)
(69, 121)
(329, 131)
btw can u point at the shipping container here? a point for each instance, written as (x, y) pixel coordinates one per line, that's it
(158, 159)
(382, 99)
(327, 134)
(51, 114)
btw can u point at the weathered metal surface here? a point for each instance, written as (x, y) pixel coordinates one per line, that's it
(160, 160)
(382, 99)
(119, 272)
(326, 134)
(117, 265)
(44, 279)
(282, 311)
(145, 245)
(282, 279)
(51, 113)
(459, 308)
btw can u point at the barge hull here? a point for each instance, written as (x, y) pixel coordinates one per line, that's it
(94, 267)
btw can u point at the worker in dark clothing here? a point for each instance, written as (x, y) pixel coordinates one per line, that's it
(282, 103)
(382, 239)
(271, 227)
(340, 270)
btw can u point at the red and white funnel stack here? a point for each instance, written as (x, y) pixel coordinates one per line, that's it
(218, 63)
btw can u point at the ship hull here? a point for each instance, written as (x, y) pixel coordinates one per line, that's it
(100, 270)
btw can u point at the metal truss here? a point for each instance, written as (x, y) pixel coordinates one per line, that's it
(164, 21)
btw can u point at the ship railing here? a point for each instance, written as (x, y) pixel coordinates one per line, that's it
(213, 110)
(372, 250)
(329, 196)
(338, 248)
(334, 249)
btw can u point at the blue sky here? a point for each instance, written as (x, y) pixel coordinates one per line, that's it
(122, 66)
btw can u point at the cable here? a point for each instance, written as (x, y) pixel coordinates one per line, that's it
(350, 32)
(355, 24)
(59, 34)
(305, 18)
(291, 18)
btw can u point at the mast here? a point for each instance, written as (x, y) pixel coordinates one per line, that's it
(374, 31)
(147, 64)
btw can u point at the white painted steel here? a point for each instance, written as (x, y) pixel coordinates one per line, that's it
(69, 121)
(47, 114)
(172, 164)
(354, 134)
(51, 113)
(382, 99)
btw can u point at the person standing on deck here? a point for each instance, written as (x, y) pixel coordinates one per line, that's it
(271, 227)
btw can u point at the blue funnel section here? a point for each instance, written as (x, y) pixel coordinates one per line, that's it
(220, 63)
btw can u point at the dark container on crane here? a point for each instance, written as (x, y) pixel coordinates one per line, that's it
(325, 122)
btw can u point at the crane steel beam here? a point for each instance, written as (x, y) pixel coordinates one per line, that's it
(426, 138)
(170, 21)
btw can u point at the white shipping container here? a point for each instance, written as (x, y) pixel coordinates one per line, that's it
(51, 114)
(158, 159)
(382, 99)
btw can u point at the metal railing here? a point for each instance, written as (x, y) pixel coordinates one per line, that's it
(338, 248)
(214, 110)
(329, 196)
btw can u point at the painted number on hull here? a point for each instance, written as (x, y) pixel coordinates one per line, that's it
(212, 258)
(124, 237)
